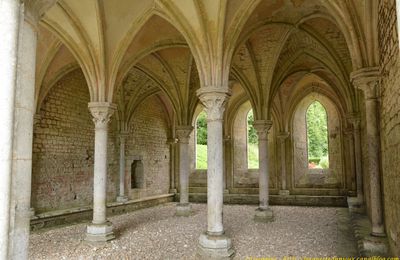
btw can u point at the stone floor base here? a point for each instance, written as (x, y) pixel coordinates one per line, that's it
(99, 232)
(355, 205)
(215, 247)
(375, 246)
(183, 209)
(122, 199)
(264, 215)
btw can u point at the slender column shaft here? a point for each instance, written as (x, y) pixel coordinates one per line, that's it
(183, 133)
(214, 175)
(367, 80)
(374, 167)
(358, 159)
(101, 113)
(172, 186)
(23, 136)
(214, 102)
(262, 127)
(9, 25)
(282, 140)
(122, 138)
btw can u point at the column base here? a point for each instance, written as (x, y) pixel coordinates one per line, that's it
(99, 232)
(264, 215)
(122, 199)
(356, 205)
(374, 246)
(183, 209)
(284, 192)
(215, 247)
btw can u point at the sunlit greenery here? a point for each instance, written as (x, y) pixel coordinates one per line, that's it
(201, 141)
(317, 136)
(252, 142)
(201, 156)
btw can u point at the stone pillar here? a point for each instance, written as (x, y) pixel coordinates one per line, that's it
(9, 26)
(100, 229)
(355, 121)
(213, 243)
(172, 143)
(183, 134)
(23, 138)
(282, 141)
(367, 80)
(264, 212)
(122, 138)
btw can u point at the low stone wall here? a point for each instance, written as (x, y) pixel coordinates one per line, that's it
(83, 214)
(292, 200)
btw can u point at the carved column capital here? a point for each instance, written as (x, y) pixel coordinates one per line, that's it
(123, 135)
(355, 120)
(35, 9)
(183, 132)
(282, 136)
(101, 113)
(367, 80)
(214, 100)
(262, 128)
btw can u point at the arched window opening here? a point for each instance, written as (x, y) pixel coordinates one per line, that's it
(201, 141)
(252, 142)
(317, 136)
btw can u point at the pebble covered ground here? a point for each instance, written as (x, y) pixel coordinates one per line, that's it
(156, 233)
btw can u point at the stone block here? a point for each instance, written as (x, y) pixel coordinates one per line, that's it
(215, 247)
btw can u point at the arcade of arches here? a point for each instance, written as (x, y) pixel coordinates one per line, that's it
(99, 104)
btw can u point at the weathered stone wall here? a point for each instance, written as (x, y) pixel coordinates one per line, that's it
(243, 176)
(63, 148)
(390, 120)
(330, 181)
(147, 141)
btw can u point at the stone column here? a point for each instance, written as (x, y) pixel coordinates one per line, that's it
(355, 121)
(172, 186)
(367, 80)
(9, 26)
(23, 137)
(122, 197)
(213, 243)
(264, 212)
(100, 229)
(183, 134)
(282, 141)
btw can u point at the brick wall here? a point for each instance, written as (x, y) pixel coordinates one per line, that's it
(390, 120)
(147, 140)
(63, 149)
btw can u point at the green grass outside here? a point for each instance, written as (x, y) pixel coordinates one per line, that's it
(201, 160)
(252, 156)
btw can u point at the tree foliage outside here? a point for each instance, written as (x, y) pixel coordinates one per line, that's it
(252, 134)
(252, 142)
(317, 136)
(201, 141)
(201, 128)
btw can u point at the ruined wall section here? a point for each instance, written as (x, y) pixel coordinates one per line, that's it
(390, 119)
(147, 141)
(63, 149)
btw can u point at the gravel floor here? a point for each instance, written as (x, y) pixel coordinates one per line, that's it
(156, 233)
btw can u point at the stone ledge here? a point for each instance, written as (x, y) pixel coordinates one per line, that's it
(293, 200)
(84, 214)
(367, 245)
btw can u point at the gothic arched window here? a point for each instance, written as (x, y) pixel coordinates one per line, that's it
(201, 141)
(317, 136)
(252, 142)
